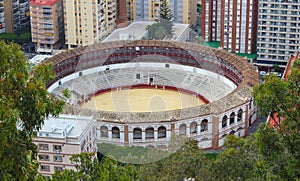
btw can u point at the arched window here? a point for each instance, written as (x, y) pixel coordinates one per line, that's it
(240, 115)
(104, 131)
(193, 127)
(182, 129)
(232, 132)
(224, 121)
(150, 133)
(204, 125)
(137, 133)
(231, 120)
(162, 132)
(115, 132)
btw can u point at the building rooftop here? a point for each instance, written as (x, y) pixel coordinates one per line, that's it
(71, 126)
(38, 59)
(43, 2)
(289, 65)
(216, 44)
(137, 30)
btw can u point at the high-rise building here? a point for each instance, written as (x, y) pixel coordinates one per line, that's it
(61, 137)
(24, 12)
(111, 15)
(278, 31)
(122, 18)
(232, 22)
(184, 11)
(47, 25)
(87, 21)
(13, 15)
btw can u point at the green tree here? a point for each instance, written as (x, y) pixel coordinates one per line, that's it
(24, 104)
(163, 26)
(89, 169)
(165, 17)
(282, 97)
(189, 161)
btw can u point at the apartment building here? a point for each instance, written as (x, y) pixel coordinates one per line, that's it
(278, 31)
(61, 137)
(13, 15)
(232, 22)
(24, 12)
(88, 21)
(47, 28)
(111, 15)
(122, 18)
(184, 11)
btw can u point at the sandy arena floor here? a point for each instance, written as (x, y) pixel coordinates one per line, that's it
(142, 100)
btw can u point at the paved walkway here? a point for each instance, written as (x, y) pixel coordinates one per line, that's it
(253, 128)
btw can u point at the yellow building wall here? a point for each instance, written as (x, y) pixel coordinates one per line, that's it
(70, 22)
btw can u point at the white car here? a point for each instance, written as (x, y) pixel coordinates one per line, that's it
(262, 73)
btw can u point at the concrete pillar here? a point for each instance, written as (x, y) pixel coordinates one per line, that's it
(168, 135)
(143, 136)
(126, 134)
(155, 135)
(198, 129)
(188, 131)
(215, 132)
(246, 120)
(110, 135)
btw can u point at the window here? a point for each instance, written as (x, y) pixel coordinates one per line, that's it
(150, 133)
(57, 147)
(58, 168)
(137, 133)
(57, 158)
(182, 129)
(162, 132)
(104, 131)
(43, 146)
(45, 168)
(44, 157)
(115, 132)
(224, 121)
(193, 127)
(232, 116)
(240, 115)
(204, 125)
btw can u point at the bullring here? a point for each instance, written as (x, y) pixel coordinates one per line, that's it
(220, 79)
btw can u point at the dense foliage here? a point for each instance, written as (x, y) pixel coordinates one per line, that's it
(24, 104)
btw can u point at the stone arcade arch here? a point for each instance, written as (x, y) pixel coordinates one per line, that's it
(104, 132)
(204, 125)
(162, 132)
(137, 133)
(115, 132)
(240, 115)
(232, 117)
(224, 121)
(182, 129)
(149, 133)
(193, 127)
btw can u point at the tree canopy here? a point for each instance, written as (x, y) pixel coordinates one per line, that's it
(24, 104)
(163, 26)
